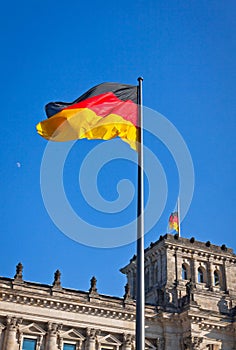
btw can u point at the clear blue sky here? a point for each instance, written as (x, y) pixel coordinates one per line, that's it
(56, 50)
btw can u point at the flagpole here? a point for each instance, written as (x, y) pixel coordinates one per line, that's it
(178, 210)
(140, 296)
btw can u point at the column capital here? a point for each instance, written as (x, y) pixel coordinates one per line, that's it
(128, 339)
(92, 333)
(53, 328)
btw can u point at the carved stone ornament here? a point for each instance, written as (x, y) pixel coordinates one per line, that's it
(128, 339)
(19, 269)
(1, 328)
(91, 334)
(196, 341)
(52, 328)
(57, 279)
(12, 323)
(127, 292)
(190, 290)
(93, 285)
(192, 343)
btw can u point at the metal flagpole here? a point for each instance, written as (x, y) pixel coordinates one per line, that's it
(178, 211)
(140, 297)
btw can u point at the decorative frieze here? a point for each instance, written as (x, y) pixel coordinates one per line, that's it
(72, 307)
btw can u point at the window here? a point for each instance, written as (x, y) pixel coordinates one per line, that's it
(69, 347)
(200, 275)
(216, 279)
(29, 344)
(184, 273)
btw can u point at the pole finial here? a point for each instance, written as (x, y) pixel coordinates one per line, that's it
(140, 78)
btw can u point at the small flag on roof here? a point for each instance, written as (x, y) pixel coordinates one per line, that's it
(174, 221)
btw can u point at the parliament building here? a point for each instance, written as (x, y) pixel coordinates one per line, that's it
(190, 289)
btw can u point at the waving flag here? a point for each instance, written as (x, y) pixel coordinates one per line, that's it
(105, 111)
(174, 221)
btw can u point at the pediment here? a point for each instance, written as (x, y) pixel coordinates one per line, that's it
(149, 345)
(109, 339)
(72, 334)
(32, 328)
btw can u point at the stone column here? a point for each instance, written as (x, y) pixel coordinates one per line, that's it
(224, 276)
(52, 336)
(127, 341)
(162, 267)
(10, 342)
(1, 329)
(178, 266)
(159, 268)
(193, 270)
(91, 339)
(210, 274)
(155, 269)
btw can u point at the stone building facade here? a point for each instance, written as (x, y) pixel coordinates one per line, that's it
(190, 305)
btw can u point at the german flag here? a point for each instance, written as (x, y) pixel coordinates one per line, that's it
(105, 111)
(174, 221)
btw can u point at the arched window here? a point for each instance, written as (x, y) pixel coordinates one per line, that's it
(184, 272)
(200, 275)
(216, 279)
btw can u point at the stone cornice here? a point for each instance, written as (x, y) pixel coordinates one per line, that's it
(208, 320)
(184, 245)
(102, 306)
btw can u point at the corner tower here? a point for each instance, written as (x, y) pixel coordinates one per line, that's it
(176, 267)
